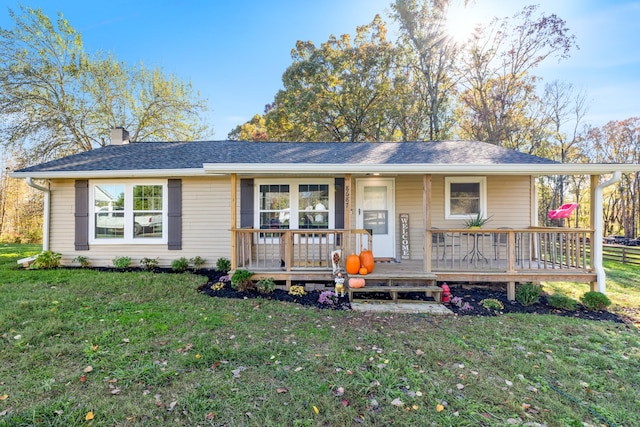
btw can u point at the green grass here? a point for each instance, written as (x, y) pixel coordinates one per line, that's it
(157, 353)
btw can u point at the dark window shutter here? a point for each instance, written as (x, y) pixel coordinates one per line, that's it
(174, 214)
(82, 215)
(339, 219)
(246, 203)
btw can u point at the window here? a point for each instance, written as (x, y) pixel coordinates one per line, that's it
(275, 207)
(296, 205)
(313, 206)
(128, 213)
(465, 197)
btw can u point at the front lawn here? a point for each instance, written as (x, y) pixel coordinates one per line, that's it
(80, 347)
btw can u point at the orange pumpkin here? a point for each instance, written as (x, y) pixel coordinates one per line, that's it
(366, 260)
(352, 265)
(356, 282)
(363, 271)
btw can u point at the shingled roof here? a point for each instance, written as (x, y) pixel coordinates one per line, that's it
(193, 155)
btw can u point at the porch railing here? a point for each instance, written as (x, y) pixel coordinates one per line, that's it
(536, 248)
(283, 249)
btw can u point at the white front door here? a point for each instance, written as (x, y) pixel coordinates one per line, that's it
(375, 211)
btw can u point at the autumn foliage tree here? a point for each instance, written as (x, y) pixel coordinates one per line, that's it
(56, 99)
(619, 142)
(337, 91)
(499, 100)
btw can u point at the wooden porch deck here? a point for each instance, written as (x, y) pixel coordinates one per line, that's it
(409, 272)
(457, 255)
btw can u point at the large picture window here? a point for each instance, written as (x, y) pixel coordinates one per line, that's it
(295, 204)
(465, 197)
(128, 212)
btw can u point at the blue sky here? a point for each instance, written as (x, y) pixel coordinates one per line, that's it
(235, 51)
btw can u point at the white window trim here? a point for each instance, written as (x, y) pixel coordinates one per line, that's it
(128, 238)
(294, 185)
(482, 180)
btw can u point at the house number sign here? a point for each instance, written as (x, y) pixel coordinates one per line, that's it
(404, 235)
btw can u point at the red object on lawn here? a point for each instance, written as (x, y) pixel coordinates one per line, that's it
(563, 211)
(446, 293)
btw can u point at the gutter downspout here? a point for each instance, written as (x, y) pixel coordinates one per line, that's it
(597, 232)
(47, 209)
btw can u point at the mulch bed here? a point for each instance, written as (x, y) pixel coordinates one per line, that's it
(471, 295)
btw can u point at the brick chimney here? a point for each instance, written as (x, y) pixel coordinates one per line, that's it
(119, 136)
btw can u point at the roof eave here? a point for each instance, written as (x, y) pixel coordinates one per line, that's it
(461, 169)
(209, 169)
(137, 173)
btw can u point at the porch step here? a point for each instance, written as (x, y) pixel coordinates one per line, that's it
(430, 290)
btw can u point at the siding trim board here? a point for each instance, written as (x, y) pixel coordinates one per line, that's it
(81, 215)
(174, 214)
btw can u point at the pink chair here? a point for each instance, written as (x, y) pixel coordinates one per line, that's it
(563, 211)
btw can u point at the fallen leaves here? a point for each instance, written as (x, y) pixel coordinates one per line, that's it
(236, 372)
(397, 402)
(89, 416)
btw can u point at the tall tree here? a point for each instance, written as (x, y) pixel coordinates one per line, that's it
(56, 99)
(422, 27)
(619, 142)
(338, 91)
(564, 110)
(499, 100)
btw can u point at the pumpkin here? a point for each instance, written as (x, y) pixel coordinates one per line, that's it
(363, 271)
(352, 264)
(366, 260)
(356, 282)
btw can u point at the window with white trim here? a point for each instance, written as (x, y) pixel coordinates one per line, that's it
(127, 212)
(295, 204)
(465, 196)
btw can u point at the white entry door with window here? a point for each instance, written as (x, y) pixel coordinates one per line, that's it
(375, 211)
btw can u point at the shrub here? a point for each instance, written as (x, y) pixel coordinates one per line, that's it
(595, 301)
(528, 293)
(218, 286)
(241, 280)
(197, 262)
(82, 260)
(149, 263)
(492, 304)
(297, 291)
(328, 298)
(223, 265)
(266, 285)
(47, 260)
(121, 262)
(180, 265)
(561, 302)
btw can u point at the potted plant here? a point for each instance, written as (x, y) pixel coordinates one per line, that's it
(476, 222)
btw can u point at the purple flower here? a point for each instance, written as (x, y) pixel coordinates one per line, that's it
(466, 307)
(328, 297)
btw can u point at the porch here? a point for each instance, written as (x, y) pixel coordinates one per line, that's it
(497, 255)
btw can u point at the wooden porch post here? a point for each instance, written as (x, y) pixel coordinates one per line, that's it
(426, 220)
(348, 207)
(234, 237)
(595, 181)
